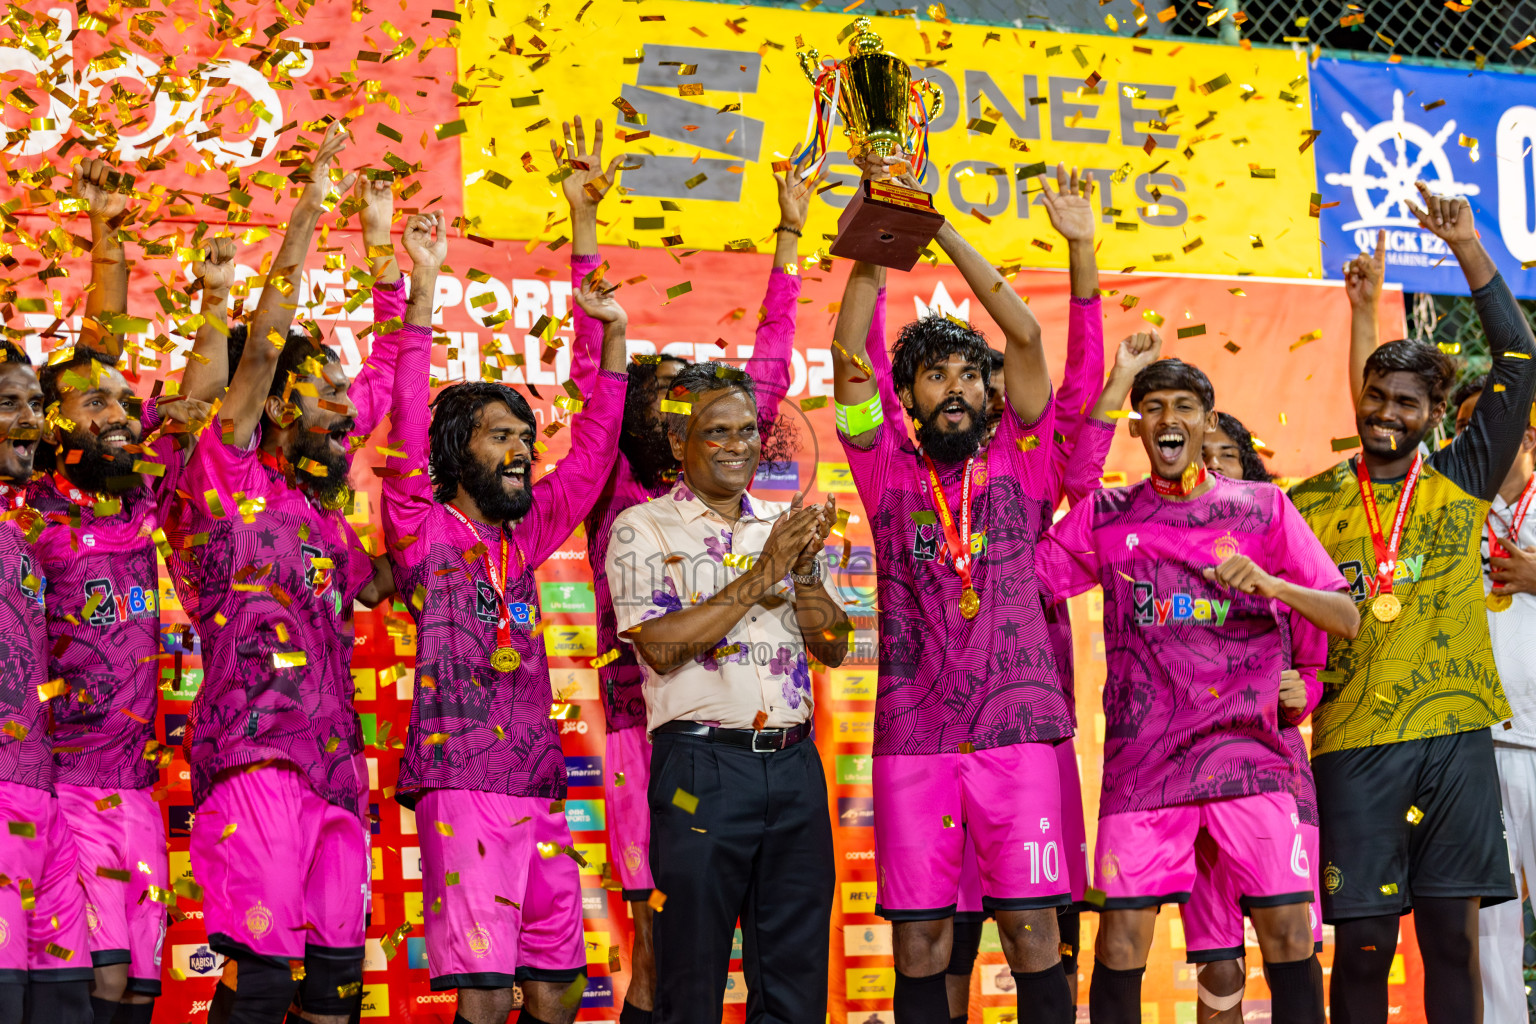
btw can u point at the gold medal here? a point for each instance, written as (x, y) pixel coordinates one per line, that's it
(1386, 607)
(1498, 602)
(505, 660)
(970, 604)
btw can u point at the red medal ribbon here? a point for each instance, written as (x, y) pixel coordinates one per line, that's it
(959, 553)
(1386, 547)
(71, 493)
(498, 579)
(1522, 506)
(1177, 488)
(13, 497)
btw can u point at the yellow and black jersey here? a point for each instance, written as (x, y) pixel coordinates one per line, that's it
(1430, 671)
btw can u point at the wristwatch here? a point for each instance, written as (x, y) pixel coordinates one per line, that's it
(810, 580)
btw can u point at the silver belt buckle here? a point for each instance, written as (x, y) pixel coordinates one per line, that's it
(767, 750)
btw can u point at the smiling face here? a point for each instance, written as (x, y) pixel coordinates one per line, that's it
(1173, 428)
(497, 476)
(1222, 455)
(99, 402)
(21, 416)
(318, 437)
(722, 446)
(1395, 413)
(949, 401)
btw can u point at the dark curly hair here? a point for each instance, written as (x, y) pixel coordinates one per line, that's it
(1173, 375)
(645, 447)
(1435, 370)
(1254, 469)
(299, 347)
(1465, 390)
(50, 378)
(455, 413)
(931, 340)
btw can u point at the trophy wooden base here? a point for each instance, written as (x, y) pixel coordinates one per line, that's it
(887, 224)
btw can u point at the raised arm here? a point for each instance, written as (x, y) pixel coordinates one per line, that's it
(406, 483)
(1027, 377)
(854, 388)
(372, 392)
(564, 497)
(1136, 353)
(205, 378)
(105, 192)
(772, 358)
(879, 358)
(584, 190)
(1066, 562)
(1481, 455)
(274, 313)
(1363, 277)
(1070, 208)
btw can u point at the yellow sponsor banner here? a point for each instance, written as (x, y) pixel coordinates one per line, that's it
(1196, 148)
(870, 982)
(858, 897)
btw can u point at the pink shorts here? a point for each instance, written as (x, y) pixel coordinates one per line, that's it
(284, 873)
(1147, 858)
(1004, 800)
(47, 941)
(1213, 917)
(513, 910)
(1076, 846)
(628, 757)
(120, 831)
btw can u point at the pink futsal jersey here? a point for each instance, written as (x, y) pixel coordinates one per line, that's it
(24, 742)
(1192, 696)
(104, 619)
(472, 726)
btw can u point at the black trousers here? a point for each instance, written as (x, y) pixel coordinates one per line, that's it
(758, 847)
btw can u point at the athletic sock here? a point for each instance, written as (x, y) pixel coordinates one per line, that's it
(103, 1011)
(921, 1000)
(222, 1005)
(1296, 988)
(1045, 996)
(526, 1017)
(1114, 997)
(959, 1020)
(632, 1014)
(134, 1013)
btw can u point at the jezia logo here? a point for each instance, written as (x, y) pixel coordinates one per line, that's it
(1150, 610)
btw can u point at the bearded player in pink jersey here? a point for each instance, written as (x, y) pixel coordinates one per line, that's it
(268, 568)
(1200, 576)
(482, 767)
(109, 464)
(45, 969)
(646, 469)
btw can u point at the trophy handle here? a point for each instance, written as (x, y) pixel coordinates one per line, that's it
(934, 97)
(810, 63)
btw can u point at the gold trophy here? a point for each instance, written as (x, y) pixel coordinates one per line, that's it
(885, 223)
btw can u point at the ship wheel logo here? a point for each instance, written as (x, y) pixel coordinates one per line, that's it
(1414, 152)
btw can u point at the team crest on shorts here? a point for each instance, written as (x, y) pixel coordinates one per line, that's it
(633, 858)
(92, 919)
(1333, 879)
(1109, 865)
(1224, 547)
(5, 931)
(258, 920)
(479, 940)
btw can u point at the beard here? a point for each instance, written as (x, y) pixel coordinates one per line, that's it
(100, 468)
(952, 445)
(1382, 447)
(331, 489)
(484, 485)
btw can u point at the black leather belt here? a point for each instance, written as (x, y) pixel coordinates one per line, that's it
(762, 741)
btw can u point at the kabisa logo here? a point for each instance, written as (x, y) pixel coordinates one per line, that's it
(1149, 610)
(203, 960)
(1388, 158)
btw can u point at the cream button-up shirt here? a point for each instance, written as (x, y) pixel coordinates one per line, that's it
(675, 551)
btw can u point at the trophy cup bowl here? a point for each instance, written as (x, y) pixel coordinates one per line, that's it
(885, 223)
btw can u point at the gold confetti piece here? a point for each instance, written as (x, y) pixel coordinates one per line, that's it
(618, 778)
(967, 748)
(1450, 348)
(1123, 414)
(1466, 140)
(1153, 317)
(229, 830)
(947, 821)
(607, 657)
(679, 289)
(1515, 355)
(444, 829)
(289, 659)
(1415, 815)
(1389, 889)
(681, 408)
(564, 712)
(1192, 332)
(687, 801)
(1307, 339)
(759, 720)
(55, 950)
(106, 803)
(51, 689)
(818, 402)
(1028, 444)
(1238, 292)
(1344, 444)
(24, 829)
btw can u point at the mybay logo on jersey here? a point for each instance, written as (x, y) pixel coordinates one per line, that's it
(1385, 127)
(1150, 610)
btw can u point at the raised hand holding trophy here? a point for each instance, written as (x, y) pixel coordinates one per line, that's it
(884, 112)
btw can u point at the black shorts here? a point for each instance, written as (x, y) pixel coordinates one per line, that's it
(1376, 859)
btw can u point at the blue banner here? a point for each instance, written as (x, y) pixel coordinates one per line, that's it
(1469, 134)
